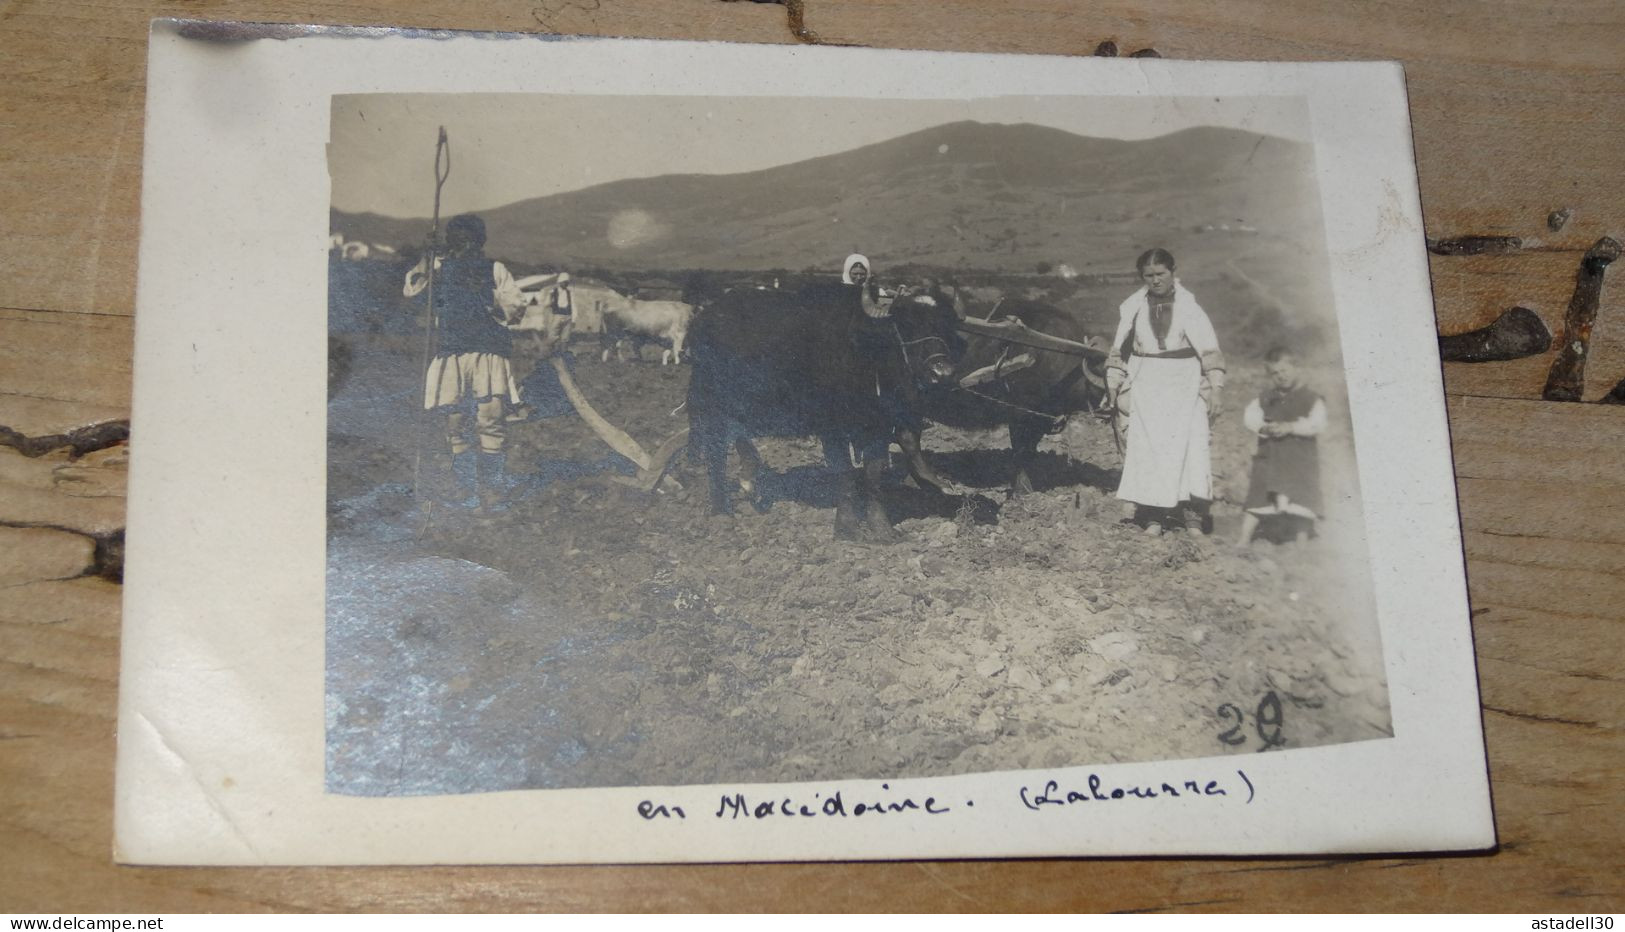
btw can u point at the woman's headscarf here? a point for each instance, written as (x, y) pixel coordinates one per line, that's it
(854, 259)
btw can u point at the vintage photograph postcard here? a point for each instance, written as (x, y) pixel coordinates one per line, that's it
(577, 450)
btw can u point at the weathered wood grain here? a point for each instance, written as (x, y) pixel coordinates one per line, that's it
(84, 495)
(34, 553)
(1517, 112)
(60, 370)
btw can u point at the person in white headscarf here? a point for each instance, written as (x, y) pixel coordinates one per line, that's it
(1166, 372)
(856, 272)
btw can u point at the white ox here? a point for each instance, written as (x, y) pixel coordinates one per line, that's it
(616, 318)
(629, 319)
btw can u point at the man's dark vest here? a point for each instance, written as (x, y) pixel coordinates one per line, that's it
(561, 300)
(463, 300)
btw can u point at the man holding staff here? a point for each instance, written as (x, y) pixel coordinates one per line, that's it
(475, 300)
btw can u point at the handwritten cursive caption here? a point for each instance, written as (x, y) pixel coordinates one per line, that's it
(839, 805)
(833, 805)
(1094, 789)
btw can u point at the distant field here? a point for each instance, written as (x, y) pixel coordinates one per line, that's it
(1255, 300)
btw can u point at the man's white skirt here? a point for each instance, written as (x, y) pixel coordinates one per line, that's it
(453, 379)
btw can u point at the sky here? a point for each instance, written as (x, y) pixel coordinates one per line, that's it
(510, 147)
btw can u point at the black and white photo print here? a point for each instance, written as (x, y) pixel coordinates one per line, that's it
(783, 440)
(571, 450)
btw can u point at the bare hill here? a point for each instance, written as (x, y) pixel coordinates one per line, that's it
(962, 195)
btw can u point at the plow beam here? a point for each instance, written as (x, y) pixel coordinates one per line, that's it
(651, 469)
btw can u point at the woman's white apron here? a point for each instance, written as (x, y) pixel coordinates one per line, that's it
(1166, 460)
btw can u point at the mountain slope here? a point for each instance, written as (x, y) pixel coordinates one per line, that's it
(964, 195)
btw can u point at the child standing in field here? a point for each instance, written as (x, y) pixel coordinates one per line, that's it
(1287, 418)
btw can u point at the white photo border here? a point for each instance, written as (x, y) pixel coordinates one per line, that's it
(221, 722)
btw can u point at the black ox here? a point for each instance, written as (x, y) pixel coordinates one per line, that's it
(1031, 390)
(794, 364)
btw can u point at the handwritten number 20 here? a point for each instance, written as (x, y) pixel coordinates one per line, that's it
(1268, 718)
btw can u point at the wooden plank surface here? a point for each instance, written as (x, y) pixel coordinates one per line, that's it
(1519, 111)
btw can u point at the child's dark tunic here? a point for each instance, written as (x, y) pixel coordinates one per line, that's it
(1287, 465)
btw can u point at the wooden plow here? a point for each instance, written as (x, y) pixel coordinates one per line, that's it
(652, 468)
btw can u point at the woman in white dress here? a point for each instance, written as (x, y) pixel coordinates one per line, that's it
(1166, 373)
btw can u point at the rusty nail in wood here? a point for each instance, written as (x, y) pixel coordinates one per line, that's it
(79, 441)
(107, 560)
(1558, 219)
(796, 13)
(1475, 245)
(1517, 333)
(1566, 381)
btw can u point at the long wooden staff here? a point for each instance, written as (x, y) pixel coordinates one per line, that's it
(442, 171)
(431, 335)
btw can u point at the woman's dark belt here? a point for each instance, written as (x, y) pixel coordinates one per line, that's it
(1187, 352)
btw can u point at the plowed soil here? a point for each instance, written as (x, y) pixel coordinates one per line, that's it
(598, 635)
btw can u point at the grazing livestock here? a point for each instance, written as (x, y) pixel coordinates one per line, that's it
(1031, 390)
(631, 320)
(587, 304)
(793, 364)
